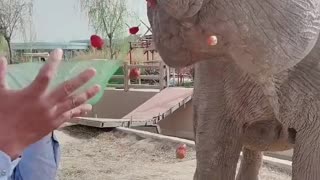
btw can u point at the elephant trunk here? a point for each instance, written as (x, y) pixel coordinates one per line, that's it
(181, 8)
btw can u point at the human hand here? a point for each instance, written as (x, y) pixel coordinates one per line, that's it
(29, 114)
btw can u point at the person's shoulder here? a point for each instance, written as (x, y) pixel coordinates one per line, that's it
(7, 165)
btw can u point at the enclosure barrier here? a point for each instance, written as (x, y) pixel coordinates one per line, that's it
(161, 78)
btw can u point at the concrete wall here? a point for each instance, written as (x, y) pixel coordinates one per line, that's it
(180, 123)
(118, 103)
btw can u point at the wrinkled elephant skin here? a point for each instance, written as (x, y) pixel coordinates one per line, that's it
(257, 89)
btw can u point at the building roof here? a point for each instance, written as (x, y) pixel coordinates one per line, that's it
(50, 46)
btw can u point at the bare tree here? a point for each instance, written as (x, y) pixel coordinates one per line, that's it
(3, 46)
(29, 34)
(13, 14)
(107, 18)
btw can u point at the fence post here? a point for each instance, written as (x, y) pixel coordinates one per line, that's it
(168, 75)
(140, 70)
(125, 76)
(174, 76)
(161, 80)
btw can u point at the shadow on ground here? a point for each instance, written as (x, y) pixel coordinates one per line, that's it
(83, 132)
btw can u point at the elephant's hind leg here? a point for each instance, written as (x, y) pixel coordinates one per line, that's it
(250, 165)
(306, 156)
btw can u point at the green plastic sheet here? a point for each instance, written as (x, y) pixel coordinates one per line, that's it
(21, 75)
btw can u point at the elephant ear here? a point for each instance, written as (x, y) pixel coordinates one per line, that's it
(181, 8)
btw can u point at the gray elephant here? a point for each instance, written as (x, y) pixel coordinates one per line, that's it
(257, 89)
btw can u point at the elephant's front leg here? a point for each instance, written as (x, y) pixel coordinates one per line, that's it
(217, 146)
(306, 157)
(216, 134)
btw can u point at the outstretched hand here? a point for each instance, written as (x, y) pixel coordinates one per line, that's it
(29, 114)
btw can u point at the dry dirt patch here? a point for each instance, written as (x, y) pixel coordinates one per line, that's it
(94, 154)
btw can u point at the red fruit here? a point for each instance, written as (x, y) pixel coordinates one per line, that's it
(152, 3)
(134, 74)
(212, 41)
(96, 41)
(134, 30)
(181, 151)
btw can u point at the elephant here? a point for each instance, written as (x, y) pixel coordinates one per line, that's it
(257, 89)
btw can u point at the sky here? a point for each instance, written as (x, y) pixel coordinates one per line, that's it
(62, 20)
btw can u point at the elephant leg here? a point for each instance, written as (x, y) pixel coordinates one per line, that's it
(306, 156)
(218, 150)
(250, 165)
(217, 135)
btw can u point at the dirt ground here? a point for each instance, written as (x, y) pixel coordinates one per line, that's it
(93, 154)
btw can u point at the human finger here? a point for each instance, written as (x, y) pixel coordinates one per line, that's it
(47, 72)
(77, 100)
(75, 118)
(76, 112)
(3, 72)
(64, 90)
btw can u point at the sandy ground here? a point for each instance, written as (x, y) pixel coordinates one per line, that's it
(93, 154)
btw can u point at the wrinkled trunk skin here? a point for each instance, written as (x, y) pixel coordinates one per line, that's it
(181, 8)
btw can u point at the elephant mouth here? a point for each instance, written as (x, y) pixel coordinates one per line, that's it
(191, 51)
(191, 58)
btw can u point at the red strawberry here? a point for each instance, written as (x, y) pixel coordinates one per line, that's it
(134, 74)
(134, 30)
(96, 41)
(181, 151)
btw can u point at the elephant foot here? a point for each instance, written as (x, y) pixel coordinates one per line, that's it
(250, 165)
(268, 135)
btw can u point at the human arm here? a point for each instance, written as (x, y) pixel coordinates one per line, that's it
(39, 110)
(39, 160)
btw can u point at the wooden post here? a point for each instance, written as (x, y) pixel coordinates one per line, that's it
(158, 129)
(174, 76)
(161, 80)
(168, 76)
(130, 53)
(152, 55)
(125, 76)
(139, 80)
(128, 72)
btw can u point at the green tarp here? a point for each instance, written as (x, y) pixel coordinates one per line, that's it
(21, 75)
